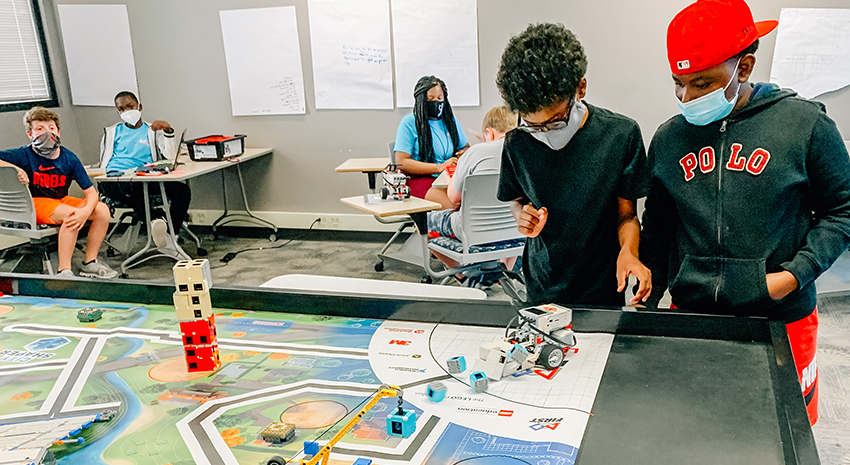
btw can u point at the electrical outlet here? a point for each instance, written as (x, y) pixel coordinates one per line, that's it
(328, 222)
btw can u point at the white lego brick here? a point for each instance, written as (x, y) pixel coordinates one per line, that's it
(192, 306)
(192, 276)
(491, 368)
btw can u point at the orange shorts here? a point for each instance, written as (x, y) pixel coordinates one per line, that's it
(45, 206)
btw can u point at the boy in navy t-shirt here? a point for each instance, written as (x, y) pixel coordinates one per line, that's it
(49, 169)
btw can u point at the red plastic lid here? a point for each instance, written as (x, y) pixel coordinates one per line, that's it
(213, 139)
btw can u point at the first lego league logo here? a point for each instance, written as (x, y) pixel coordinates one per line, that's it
(538, 424)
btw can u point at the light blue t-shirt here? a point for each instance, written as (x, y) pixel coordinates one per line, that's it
(407, 140)
(131, 149)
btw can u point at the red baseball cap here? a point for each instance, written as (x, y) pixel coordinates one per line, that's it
(709, 32)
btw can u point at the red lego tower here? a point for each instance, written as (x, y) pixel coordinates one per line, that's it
(194, 310)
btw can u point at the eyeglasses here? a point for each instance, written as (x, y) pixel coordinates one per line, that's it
(561, 123)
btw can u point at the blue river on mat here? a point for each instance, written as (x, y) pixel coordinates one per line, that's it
(90, 454)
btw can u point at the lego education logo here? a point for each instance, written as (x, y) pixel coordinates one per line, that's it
(22, 356)
(257, 326)
(486, 411)
(392, 354)
(408, 369)
(538, 424)
(399, 342)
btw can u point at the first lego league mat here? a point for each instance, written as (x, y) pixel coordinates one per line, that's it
(57, 374)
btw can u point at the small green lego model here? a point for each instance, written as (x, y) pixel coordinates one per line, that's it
(88, 314)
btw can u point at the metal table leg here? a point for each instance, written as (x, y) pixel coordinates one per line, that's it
(248, 215)
(171, 231)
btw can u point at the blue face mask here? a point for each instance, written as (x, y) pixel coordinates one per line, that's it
(710, 107)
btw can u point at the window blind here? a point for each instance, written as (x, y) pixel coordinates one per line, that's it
(23, 75)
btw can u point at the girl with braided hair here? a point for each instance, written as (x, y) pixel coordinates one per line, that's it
(429, 139)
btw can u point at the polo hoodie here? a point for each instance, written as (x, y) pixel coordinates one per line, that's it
(764, 190)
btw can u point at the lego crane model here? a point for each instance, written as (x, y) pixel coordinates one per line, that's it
(402, 423)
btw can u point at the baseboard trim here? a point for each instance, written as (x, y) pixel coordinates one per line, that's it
(301, 220)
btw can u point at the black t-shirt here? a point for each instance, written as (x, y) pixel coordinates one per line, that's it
(48, 178)
(574, 259)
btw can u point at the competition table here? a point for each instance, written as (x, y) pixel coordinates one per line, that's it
(187, 170)
(677, 388)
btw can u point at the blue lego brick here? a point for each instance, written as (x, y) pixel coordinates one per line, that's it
(311, 447)
(456, 364)
(518, 353)
(436, 391)
(88, 424)
(403, 424)
(478, 382)
(75, 432)
(362, 461)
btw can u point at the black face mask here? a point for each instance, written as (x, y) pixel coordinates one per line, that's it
(434, 108)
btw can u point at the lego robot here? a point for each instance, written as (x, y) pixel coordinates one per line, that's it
(88, 315)
(395, 184)
(541, 338)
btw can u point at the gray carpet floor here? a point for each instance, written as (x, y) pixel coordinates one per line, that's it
(353, 255)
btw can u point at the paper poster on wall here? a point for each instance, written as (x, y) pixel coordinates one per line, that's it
(263, 61)
(352, 66)
(438, 37)
(98, 51)
(812, 54)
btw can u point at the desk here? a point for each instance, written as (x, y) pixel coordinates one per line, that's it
(411, 251)
(672, 391)
(191, 170)
(368, 166)
(442, 181)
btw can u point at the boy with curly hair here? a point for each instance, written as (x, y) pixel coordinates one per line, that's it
(573, 173)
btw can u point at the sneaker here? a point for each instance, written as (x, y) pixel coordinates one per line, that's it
(96, 269)
(66, 273)
(159, 231)
(170, 249)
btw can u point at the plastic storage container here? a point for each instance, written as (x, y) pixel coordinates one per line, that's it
(215, 148)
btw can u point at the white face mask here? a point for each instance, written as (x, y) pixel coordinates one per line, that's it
(557, 139)
(131, 117)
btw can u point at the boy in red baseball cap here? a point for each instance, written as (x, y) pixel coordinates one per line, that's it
(750, 195)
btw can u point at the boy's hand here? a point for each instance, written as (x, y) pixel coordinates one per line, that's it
(629, 265)
(161, 125)
(22, 176)
(779, 285)
(76, 220)
(532, 220)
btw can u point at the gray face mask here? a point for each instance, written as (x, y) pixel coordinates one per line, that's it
(557, 139)
(45, 144)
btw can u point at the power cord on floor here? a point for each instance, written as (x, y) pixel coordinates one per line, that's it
(231, 255)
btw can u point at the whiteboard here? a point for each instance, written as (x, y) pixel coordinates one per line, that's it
(438, 37)
(812, 54)
(263, 61)
(98, 51)
(352, 66)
